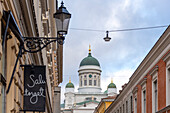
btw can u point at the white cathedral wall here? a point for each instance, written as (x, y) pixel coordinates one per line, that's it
(112, 90)
(90, 67)
(89, 90)
(69, 100)
(69, 90)
(83, 111)
(84, 75)
(82, 97)
(95, 76)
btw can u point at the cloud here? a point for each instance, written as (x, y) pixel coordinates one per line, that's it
(119, 77)
(121, 56)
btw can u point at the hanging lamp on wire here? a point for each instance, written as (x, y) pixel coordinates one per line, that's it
(107, 38)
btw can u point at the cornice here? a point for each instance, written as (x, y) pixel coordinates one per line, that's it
(143, 81)
(166, 57)
(135, 90)
(154, 70)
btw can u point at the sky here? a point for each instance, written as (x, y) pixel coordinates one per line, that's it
(120, 57)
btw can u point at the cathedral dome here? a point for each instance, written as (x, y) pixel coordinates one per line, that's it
(111, 85)
(70, 85)
(89, 60)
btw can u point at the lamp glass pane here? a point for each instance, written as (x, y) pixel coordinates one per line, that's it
(62, 24)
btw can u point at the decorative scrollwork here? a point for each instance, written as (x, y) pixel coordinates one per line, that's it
(35, 44)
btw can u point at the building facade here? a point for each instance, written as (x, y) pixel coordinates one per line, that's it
(89, 92)
(34, 18)
(104, 104)
(148, 89)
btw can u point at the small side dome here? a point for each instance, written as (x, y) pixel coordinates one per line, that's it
(70, 85)
(111, 85)
(105, 92)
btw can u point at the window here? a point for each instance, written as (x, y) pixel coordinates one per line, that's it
(126, 106)
(168, 86)
(90, 82)
(154, 74)
(84, 76)
(144, 101)
(135, 109)
(84, 104)
(143, 94)
(131, 104)
(94, 82)
(120, 109)
(81, 82)
(90, 98)
(155, 95)
(123, 108)
(85, 82)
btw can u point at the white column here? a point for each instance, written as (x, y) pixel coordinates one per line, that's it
(56, 100)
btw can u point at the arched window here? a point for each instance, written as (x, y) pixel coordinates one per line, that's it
(85, 82)
(90, 82)
(94, 82)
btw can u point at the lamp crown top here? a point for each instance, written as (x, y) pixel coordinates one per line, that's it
(62, 3)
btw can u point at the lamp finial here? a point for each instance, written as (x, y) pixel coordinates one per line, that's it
(62, 3)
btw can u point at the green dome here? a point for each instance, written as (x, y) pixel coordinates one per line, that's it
(89, 60)
(105, 92)
(111, 85)
(70, 85)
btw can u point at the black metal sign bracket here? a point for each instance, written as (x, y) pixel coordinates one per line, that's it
(27, 44)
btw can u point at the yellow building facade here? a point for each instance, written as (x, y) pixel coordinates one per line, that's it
(34, 18)
(104, 104)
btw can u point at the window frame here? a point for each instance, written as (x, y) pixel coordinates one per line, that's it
(143, 85)
(154, 74)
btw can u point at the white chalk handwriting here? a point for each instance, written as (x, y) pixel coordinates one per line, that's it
(34, 95)
(36, 81)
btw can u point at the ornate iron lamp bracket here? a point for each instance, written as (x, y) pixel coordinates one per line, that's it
(36, 44)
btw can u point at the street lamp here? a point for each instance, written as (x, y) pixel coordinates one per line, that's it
(107, 38)
(36, 44)
(62, 17)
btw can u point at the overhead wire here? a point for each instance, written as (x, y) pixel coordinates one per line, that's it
(121, 30)
(141, 28)
(87, 29)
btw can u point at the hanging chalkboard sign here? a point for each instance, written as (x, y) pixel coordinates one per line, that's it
(34, 88)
